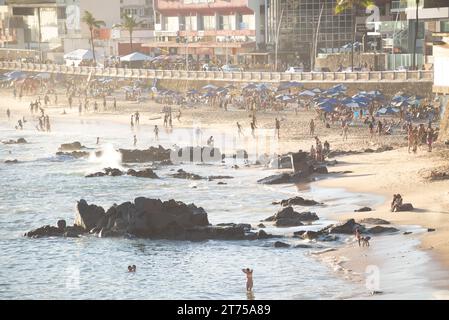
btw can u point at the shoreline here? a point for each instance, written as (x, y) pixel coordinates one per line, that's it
(430, 243)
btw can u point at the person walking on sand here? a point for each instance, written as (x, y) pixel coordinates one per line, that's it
(358, 236)
(115, 104)
(135, 141)
(429, 132)
(345, 131)
(249, 278)
(240, 131)
(156, 133)
(312, 127)
(179, 115)
(132, 121)
(253, 128)
(8, 113)
(277, 131)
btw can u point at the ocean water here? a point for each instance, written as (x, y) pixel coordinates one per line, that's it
(43, 188)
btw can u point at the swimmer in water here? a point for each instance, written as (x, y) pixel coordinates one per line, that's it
(249, 278)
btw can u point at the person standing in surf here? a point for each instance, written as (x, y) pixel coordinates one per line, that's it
(249, 278)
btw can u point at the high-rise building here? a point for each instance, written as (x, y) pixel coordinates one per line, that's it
(302, 22)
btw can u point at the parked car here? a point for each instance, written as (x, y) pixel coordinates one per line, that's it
(231, 68)
(294, 70)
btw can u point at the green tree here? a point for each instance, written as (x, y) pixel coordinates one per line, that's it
(129, 23)
(353, 5)
(92, 24)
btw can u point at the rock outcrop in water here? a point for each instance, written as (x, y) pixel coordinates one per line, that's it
(149, 155)
(113, 172)
(297, 201)
(77, 154)
(287, 217)
(303, 166)
(18, 141)
(149, 218)
(74, 146)
(15, 161)
(181, 174)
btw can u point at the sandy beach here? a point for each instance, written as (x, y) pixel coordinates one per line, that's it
(382, 174)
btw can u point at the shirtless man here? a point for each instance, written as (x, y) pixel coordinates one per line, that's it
(249, 278)
(312, 127)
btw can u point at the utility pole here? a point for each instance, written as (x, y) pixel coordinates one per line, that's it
(316, 37)
(277, 42)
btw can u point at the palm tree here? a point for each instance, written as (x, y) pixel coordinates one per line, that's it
(342, 6)
(129, 24)
(92, 24)
(415, 39)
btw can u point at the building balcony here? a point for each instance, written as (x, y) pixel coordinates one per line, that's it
(176, 7)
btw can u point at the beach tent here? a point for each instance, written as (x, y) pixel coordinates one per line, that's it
(135, 59)
(135, 56)
(289, 85)
(77, 56)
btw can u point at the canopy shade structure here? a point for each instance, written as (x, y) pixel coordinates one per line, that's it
(135, 56)
(210, 87)
(79, 54)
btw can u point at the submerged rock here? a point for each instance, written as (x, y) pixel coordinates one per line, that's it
(15, 161)
(77, 154)
(18, 141)
(181, 174)
(297, 201)
(364, 209)
(374, 221)
(146, 173)
(279, 244)
(113, 172)
(380, 229)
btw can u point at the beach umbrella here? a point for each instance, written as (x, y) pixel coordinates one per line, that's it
(249, 86)
(307, 93)
(209, 94)
(285, 98)
(339, 87)
(403, 103)
(317, 90)
(210, 87)
(326, 107)
(15, 75)
(192, 92)
(43, 76)
(387, 111)
(230, 87)
(262, 87)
